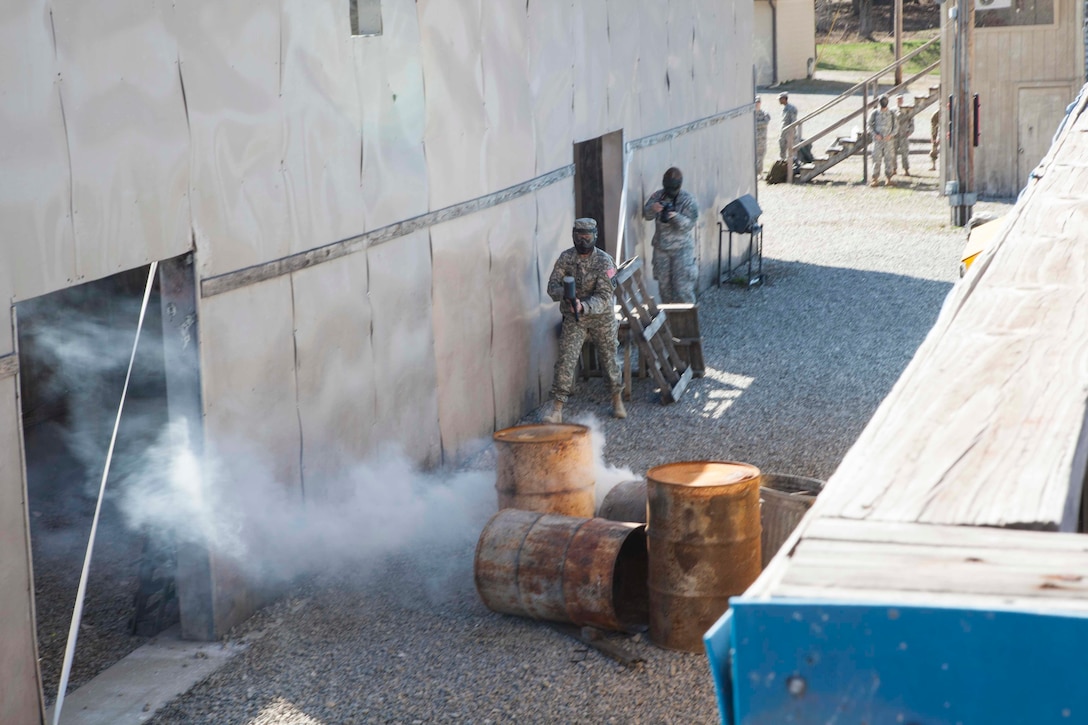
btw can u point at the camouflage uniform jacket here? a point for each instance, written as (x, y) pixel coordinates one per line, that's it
(593, 275)
(789, 115)
(678, 232)
(882, 122)
(762, 120)
(904, 123)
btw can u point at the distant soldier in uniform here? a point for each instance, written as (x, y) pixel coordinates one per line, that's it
(762, 120)
(591, 313)
(882, 127)
(934, 139)
(904, 127)
(789, 115)
(675, 212)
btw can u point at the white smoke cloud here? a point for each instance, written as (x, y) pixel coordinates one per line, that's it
(607, 476)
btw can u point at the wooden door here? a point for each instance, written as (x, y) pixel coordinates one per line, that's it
(1039, 111)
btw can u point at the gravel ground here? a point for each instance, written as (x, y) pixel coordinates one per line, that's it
(854, 278)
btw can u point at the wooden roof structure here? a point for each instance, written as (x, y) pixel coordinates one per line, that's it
(966, 486)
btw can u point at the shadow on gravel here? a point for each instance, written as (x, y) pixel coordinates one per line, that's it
(795, 369)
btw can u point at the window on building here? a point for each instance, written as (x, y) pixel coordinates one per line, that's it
(366, 17)
(1007, 13)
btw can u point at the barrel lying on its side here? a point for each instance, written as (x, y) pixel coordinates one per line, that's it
(590, 572)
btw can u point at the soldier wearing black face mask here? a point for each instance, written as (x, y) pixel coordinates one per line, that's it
(590, 313)
(675, 213)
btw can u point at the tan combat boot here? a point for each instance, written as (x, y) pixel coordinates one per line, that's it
(555, 414)
(618, 411)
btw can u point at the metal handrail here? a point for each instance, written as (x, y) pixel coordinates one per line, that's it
(855, 114)
(876, 76)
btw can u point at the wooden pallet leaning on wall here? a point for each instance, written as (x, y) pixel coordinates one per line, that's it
(650, 331)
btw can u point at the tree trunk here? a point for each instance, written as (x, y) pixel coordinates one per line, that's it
(865, 18)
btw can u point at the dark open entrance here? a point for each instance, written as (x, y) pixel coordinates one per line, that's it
(598, 185)
(74, 348)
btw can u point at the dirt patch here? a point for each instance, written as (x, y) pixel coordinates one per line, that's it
(837, 22)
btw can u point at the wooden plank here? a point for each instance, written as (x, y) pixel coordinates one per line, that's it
(934, 599)
(986, 424)
(849, 530)
(967, 570)
(654, 327)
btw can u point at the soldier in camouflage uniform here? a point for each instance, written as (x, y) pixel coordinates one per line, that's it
(675, 212)
(592, 314)
(789, 115)
(882, 127)
(904, 127)
(762, 120)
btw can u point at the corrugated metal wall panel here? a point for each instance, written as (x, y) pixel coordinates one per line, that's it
(462, 318)
(403, 346)
(456, 118)
(231, 67)
(337, 399)
(37, 245)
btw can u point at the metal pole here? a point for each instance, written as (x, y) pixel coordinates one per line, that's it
(898, 40)
(865, 134)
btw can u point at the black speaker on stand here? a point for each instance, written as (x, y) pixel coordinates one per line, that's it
(741, 216)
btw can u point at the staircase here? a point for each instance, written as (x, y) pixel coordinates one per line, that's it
(843, 147)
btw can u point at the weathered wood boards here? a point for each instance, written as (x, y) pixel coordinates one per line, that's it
(983, 434)
(650, 330)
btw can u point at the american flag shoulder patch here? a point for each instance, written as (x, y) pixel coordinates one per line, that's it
(611, 272)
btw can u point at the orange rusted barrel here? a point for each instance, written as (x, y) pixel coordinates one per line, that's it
(590, 572)
(625, 502)
(703, 534)
(545, 467)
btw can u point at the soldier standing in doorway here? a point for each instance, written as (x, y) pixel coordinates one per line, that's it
(675, 213)
(882, 127)
(582, 284)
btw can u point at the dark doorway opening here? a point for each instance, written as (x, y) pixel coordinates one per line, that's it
(598, 186)
(74, 349)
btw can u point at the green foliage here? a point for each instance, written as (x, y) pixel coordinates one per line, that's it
(871, 57)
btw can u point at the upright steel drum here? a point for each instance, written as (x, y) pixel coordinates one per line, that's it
(703, 534)
(547, 468)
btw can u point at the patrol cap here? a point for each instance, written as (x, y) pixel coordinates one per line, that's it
(585, 224)
(783, 94)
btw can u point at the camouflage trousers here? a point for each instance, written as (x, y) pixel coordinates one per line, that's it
(761, 154)
(902, 151)
(674, 270)
(883, 151)
(601, 330)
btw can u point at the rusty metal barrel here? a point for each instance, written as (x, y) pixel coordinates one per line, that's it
(546, 468)
(625, 502)
(590, 572)
(785, 501)
(703, 535)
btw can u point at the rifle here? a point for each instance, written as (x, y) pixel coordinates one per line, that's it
(570, 295)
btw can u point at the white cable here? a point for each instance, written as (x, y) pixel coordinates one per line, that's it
(77, 615)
